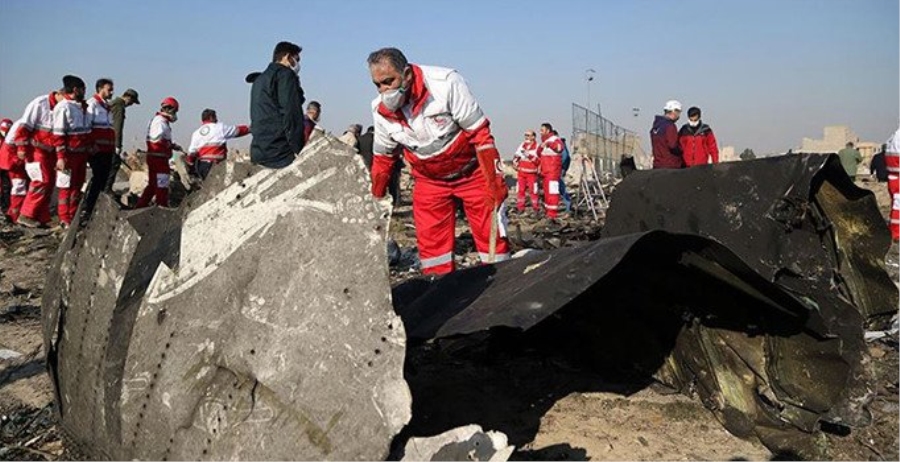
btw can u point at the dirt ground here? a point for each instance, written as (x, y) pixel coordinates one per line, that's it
(584, 417)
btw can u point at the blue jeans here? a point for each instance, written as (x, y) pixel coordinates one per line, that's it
(563, 194)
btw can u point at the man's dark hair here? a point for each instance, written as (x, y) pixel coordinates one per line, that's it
(314, 104)
(285, 49)
(393, 56)
(849, 144)
(102, 83)
(208, 115)
(693, 111)
(372, 129)
(547, 126)
(71, 82)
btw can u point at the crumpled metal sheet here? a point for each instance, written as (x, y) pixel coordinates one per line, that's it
(798, 220)
(681, 308)
(756, 299)
(232, 328)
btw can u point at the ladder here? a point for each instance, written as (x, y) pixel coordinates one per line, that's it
(590, 191)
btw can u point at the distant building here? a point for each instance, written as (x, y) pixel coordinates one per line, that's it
(728, 154)
(836, 138)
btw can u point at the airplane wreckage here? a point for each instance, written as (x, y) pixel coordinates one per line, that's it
(257, 321)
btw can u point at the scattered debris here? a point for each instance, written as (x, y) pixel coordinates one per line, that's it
(634, 309)
(463, 443)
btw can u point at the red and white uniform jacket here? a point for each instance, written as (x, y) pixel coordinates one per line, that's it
(438, 129)
(159, 136)
(209, 141)
(526, 157)
(552, 146)
(102, 132)
(71, 129)
(892, 154)
(36, 130)
(8, 156)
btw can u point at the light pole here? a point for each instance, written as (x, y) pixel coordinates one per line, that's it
(589, 77)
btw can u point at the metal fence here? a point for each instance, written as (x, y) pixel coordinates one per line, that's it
(601, 140)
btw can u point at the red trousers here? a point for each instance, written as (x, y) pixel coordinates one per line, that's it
(69, 197)
(551, 172)
(434, 214)
(894, 190)
(19, 180)
(157, 182)
(527, 183)
(37, 199)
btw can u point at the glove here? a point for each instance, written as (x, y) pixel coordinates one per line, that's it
(495, 187)
(381, 174)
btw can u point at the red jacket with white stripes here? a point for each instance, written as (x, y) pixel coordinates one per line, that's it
(71, 129)
(36, 130)
(526, 157)
(8, 158)
(438, 129)
(102, 132)
(209, 141)
(552, 146)
(892, 154)
(159, 136)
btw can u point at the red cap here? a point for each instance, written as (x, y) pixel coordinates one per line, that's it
(171, 102)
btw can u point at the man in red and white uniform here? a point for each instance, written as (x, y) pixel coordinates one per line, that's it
(209, 142)
(527, 165)
(892, 160)
(550, 152)
(73, 143)
(13, 185)
(103, 137)
(34, 145)
(15, 166)
(159, 150)
(429, 114)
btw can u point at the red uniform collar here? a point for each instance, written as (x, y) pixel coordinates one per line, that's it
(52, 99)
(83, 104)
(417, 97)
(101, 101)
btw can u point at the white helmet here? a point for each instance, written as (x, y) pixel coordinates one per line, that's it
(672, 105)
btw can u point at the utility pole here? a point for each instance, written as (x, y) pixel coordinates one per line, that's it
(589, 77)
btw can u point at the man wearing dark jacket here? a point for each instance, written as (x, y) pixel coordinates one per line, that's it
(276, 110)
(664, 138)
(117, 111)
(365, 146)
(878, 167)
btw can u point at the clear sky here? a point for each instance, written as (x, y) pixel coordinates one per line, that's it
(766, 72)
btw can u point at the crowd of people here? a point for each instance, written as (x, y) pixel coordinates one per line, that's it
(50, 146)
(424, 115)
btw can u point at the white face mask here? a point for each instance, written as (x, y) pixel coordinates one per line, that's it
(694, 123)
(296, 68)
(393, 99)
